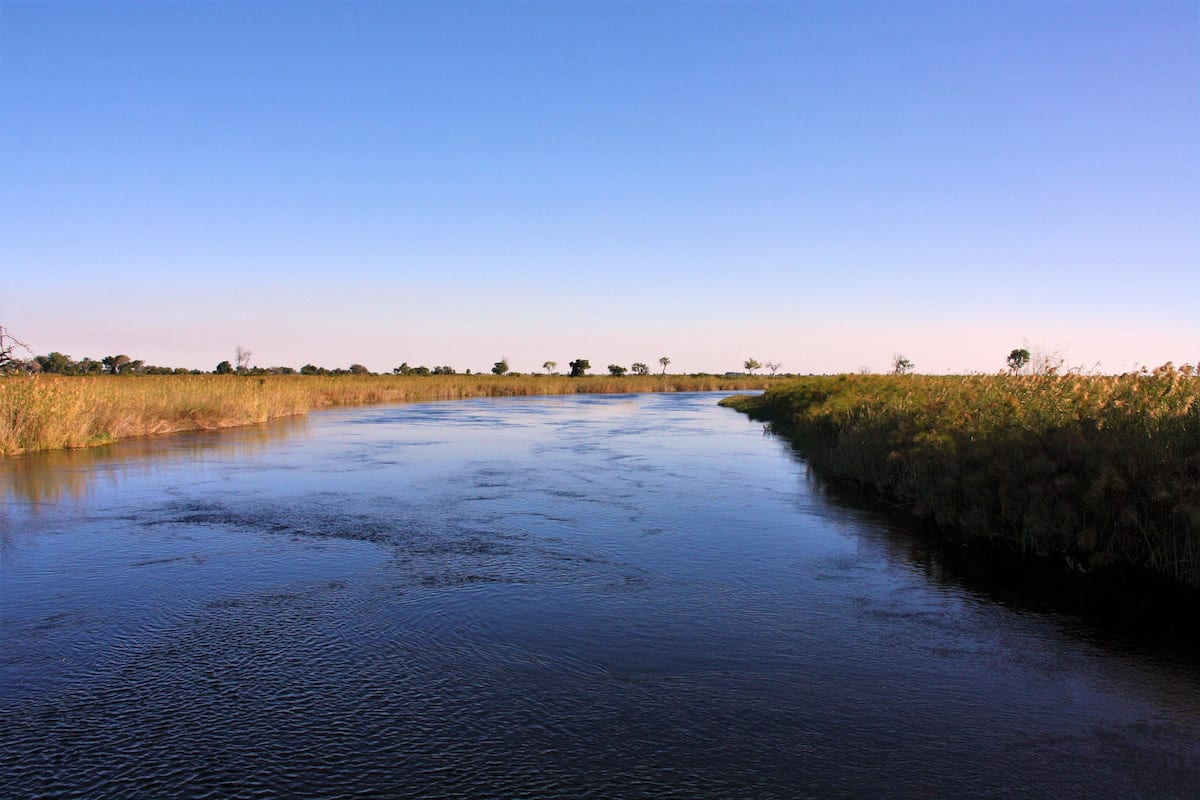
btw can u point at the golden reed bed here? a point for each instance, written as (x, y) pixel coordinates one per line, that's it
(1102, 471)
(46, 412)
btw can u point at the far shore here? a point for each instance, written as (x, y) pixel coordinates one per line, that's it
(52, 412)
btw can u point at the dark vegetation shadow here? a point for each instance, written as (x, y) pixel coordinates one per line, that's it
(1130, 611)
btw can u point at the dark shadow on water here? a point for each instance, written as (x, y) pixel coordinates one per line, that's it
(1129, 612)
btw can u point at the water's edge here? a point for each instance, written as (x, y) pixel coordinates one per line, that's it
(1128, 597)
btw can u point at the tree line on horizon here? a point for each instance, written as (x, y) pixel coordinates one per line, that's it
(57, 363)
(1019, 361)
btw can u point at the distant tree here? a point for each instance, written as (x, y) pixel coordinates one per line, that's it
(307, 369)
(55, 363)
(751, 365)
(773, 366)
(225, 368)
(359, 369)
(640, 369)
(134, 367)
(242, 360)
(1046, 361)
(500, 367)
(664, 361)
(901, 365)
(616, 370)
(579, 367)
(1017, 359)
(87, 366)
(405, 369)
(550, 366)
(9, 363)
(115, 364)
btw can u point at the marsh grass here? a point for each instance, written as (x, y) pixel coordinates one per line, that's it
(1102, 471)
(47, 412)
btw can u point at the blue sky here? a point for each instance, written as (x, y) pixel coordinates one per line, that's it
(820, 184)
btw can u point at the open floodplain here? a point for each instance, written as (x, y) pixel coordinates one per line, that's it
(575, 596)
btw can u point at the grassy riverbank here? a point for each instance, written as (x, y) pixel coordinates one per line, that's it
(1102, 472)
(51, 412)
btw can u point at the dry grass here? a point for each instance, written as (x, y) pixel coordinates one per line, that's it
(1101, 470)
(47, 412)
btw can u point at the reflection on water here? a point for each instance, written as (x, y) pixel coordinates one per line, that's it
(59, 474)
(1114, 613)
(559, 597)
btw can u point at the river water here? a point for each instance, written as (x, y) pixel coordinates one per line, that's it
(586, 596)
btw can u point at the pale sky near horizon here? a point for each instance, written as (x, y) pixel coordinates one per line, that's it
(820, 184)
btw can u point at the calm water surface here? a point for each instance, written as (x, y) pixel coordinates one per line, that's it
(605, 596)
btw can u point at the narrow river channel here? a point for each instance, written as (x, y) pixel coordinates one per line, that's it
(586, 596)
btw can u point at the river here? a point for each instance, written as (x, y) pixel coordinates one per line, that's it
(583, 596)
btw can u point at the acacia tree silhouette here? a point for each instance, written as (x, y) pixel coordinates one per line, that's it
(9, 363)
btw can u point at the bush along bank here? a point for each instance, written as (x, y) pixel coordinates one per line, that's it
(1101, 473)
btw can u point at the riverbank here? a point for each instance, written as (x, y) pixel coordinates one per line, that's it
(1100, 473)
(47, 412)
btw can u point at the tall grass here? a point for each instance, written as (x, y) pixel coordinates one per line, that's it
(1103, 471)
(46, 412)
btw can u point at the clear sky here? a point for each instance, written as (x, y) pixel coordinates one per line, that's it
(820, 184)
